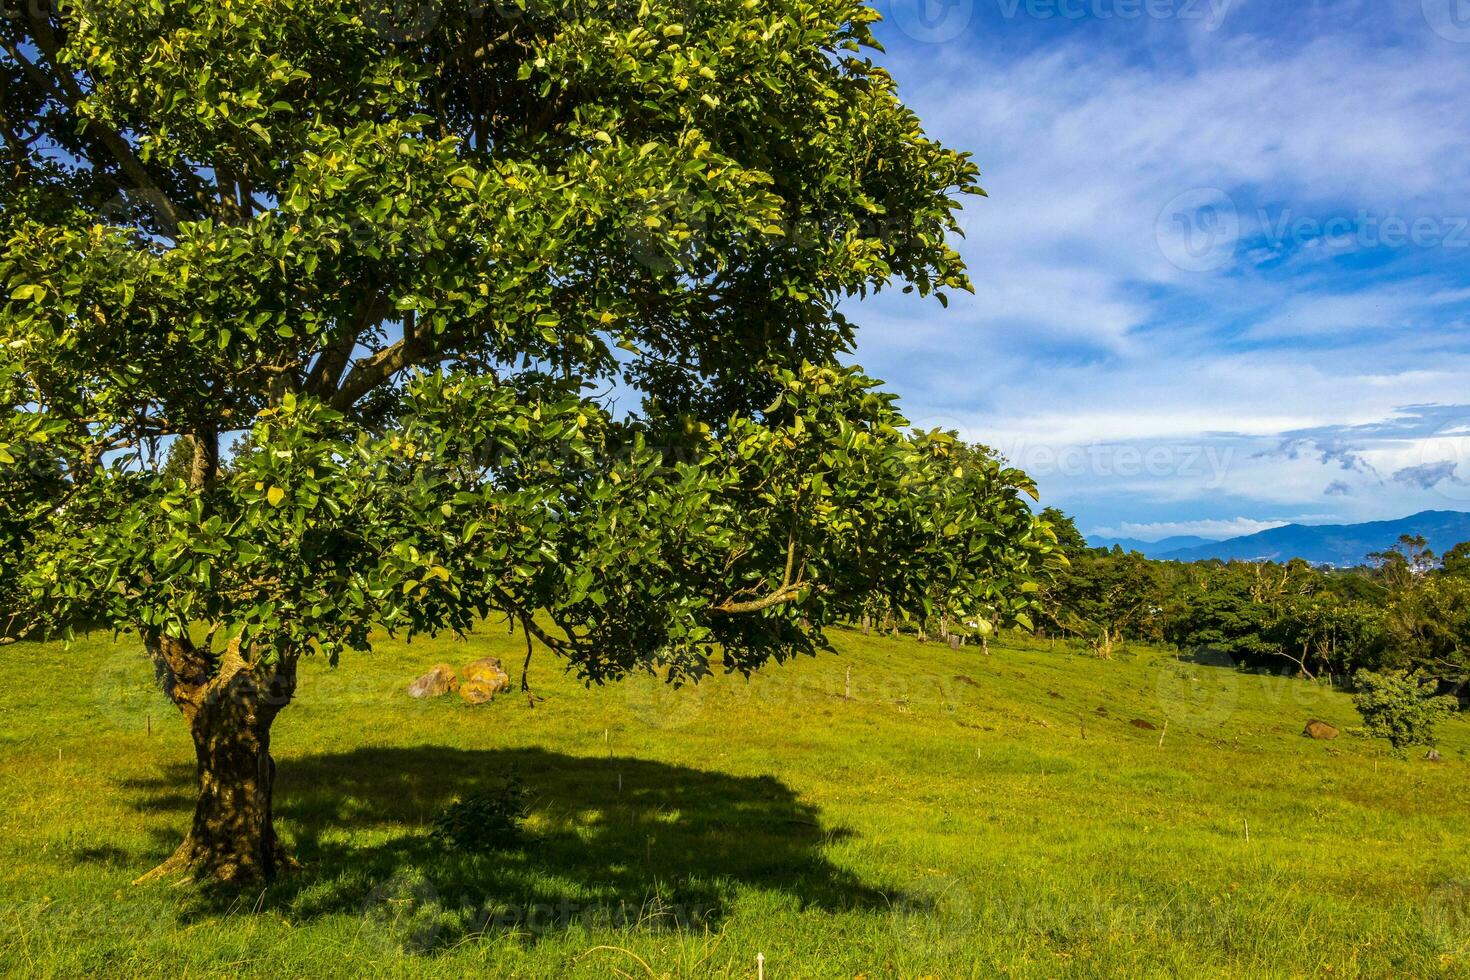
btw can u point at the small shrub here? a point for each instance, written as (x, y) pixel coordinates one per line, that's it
(1400, 707)
(483, 821)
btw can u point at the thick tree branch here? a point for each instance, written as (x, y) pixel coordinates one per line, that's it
(785, 594)
(326, 373)
(526, 666)
(370, 372)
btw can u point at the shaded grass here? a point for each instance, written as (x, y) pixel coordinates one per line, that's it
(961, 815)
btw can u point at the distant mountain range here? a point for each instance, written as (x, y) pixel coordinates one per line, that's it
(1341, 545)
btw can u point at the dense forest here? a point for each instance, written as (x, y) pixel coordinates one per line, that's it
(1405, 608)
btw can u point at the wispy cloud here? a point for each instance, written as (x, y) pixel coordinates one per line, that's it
(1217, 530)
(1292, 142)
(1328, 453)
(1427, 476)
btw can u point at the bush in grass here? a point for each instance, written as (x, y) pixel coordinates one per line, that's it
(483, 821)
(1401, 707)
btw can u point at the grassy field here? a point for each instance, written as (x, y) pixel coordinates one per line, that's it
(959, 815)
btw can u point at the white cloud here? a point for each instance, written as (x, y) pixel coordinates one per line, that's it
(1393, 307)
(1215, 530)
(1083, 334)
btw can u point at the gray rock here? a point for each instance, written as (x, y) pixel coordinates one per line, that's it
(440, 680)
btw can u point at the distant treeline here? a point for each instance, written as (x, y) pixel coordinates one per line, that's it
(1404, 608)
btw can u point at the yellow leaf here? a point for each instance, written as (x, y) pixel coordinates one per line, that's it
(275, 495)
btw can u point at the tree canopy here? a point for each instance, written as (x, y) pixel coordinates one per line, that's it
(527, 310)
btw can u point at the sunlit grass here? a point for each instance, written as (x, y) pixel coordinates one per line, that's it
(960, 815)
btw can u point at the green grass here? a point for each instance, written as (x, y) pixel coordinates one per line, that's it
(960, 816)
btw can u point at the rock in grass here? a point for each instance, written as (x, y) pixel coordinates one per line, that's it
(477, 691)
(1147, 726)
(1320, 730)
(483, 679)
(440, 680)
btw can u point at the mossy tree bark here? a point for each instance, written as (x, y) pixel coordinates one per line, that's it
(229, 709)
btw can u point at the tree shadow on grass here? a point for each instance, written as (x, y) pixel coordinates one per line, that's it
(610, 842)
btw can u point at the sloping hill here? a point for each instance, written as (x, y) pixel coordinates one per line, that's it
(1342, 545)
(1036, 812)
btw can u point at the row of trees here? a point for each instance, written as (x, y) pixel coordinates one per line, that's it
(1405, 609)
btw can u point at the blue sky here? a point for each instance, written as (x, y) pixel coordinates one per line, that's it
(1223, 276)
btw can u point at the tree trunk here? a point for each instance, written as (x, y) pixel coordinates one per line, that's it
(232, 837)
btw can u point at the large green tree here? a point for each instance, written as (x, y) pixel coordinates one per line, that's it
(527, 309)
